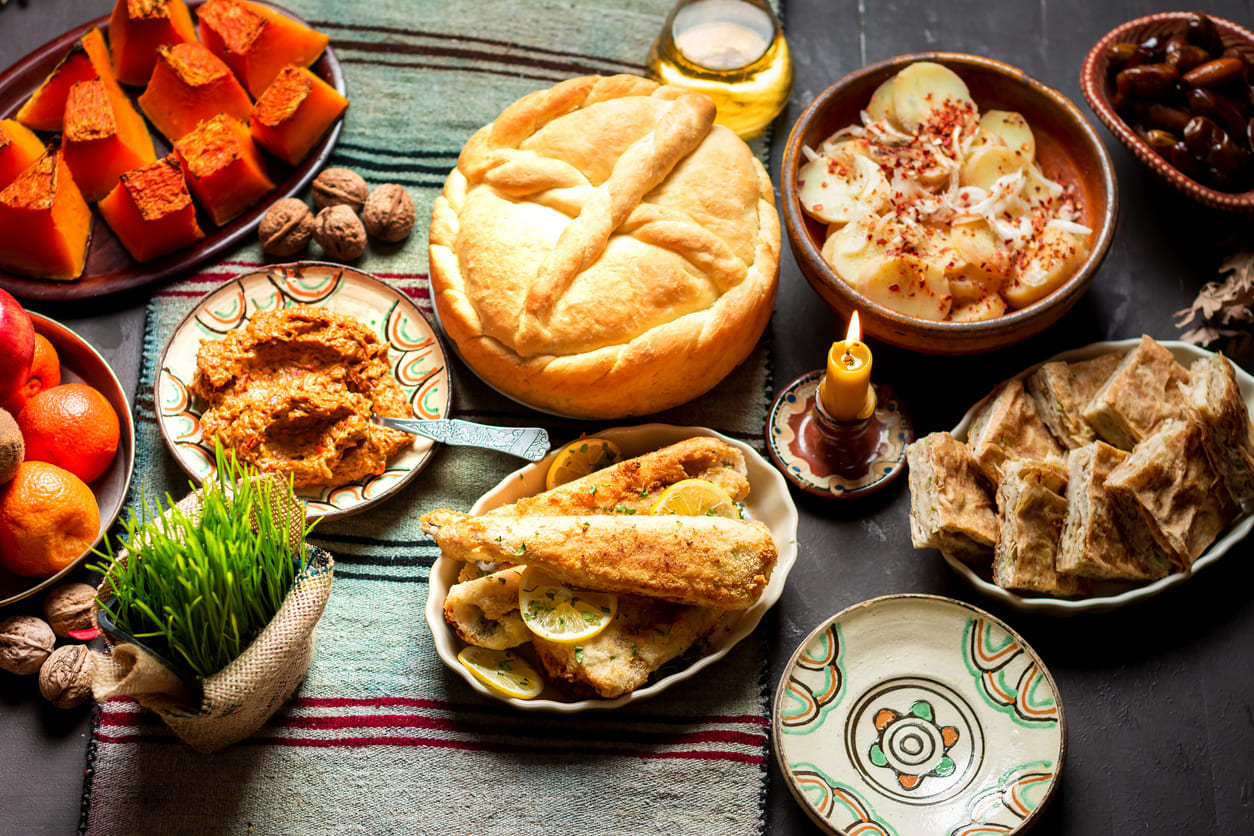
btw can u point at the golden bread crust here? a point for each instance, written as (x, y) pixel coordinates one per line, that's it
(603, 249)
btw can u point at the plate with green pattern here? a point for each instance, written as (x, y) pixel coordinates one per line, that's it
(914, 714)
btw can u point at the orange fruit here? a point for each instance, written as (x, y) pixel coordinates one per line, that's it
(72, 426)
(48, 518)
(45, 368)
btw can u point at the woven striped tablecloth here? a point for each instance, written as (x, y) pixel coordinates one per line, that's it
(381, 738)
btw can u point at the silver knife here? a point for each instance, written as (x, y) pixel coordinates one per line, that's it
(531, 443)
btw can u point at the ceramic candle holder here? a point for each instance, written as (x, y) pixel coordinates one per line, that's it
(835, 459)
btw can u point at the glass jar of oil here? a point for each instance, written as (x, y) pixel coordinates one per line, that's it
(733, 51)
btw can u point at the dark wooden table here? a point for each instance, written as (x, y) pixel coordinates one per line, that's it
(1159, 696)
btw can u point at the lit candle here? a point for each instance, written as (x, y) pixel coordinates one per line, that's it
(845, 391)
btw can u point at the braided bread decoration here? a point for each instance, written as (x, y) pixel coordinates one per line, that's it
(603, 249)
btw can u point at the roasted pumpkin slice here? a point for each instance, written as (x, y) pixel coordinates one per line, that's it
(88, 58)
(256, 41)
(188, 86)
(19, 147)
(151, 210)
(294, 112)
(138, 27)
(223, 167)
(44, 222)
(103, 136)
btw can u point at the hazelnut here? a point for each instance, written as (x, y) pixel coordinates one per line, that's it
(25, 642)
(65, 679)
(339, 186)
(389, 213)
(68, 607)
(339, 232)
(286, 227)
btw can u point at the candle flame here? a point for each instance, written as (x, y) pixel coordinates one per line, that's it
(855, 329)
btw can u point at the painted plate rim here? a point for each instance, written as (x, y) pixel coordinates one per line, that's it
(1117, 594)
(769, 501)
(921, 599)
(410, 461)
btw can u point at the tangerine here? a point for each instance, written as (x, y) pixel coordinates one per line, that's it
(72, 426)
(48, 519)
(45, 368)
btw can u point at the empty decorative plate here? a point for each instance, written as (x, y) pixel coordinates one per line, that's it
(917, 714)
(414, 355)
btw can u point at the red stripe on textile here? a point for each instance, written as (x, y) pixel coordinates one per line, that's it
(436, 743)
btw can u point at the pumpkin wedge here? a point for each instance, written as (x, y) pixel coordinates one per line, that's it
(103, 137)
(19, 147)
(294, 112)
(188, 86)
(44, 222)
(88, 58)
(223, 167)
(138, 27)
(256, 41)
(151, 210)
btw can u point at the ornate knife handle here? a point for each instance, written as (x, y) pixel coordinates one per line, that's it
(531, 443)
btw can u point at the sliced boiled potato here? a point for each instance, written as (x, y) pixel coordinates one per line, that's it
(1012, 130)
(985, 261)
(922, 89)
(853, 246)
(907, 284)
(1038, 190)
(844, 185)
(990, 306)
(988, 164)
(1048, 262)
(880, 108)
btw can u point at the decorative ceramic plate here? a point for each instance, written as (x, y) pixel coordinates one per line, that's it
(790, 421)
(768, 501)
(414, 352)
(110, 267)
(914, 714)
(80, 363)
(1108, 595)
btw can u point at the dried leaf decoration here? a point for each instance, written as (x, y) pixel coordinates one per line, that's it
(1225, 309)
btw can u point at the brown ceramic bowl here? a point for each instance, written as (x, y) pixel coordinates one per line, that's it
(1098, 85)
(1068, 150)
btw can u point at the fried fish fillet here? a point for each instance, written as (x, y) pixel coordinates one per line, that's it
(632, 486)
(644, 635)
(485, 611)
(700, 561)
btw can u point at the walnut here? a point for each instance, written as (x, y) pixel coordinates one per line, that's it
(336, 186)
(339, 232)
(68, 607)
(65, 679)
(25, 642)
(389, 213)
(286, 228)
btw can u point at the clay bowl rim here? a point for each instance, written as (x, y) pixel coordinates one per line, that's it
(1096, 86)
(949, 337)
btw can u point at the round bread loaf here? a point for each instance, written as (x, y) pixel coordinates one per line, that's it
(603, 249)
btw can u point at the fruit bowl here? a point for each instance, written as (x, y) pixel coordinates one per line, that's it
(80, 363)
(1068, 150)
(1097, 82)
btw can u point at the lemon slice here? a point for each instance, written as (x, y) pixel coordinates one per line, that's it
(696, 498)
(560, 613)
(579, 458)
(502, 671)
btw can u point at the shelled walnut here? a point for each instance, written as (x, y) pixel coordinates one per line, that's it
(65, 678)
(339, 186)
(286, 228)
(389, 213)
(339, 232)
(68, 607)
(25, 642)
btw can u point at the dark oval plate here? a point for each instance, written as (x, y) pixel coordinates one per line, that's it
(110, 268)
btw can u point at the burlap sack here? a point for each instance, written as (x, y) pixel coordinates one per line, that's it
(237, 700)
